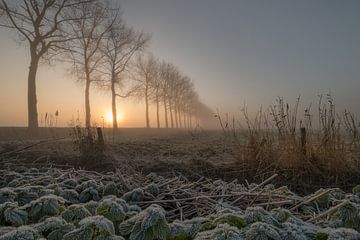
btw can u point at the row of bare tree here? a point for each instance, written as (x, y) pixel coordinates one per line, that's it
(92, 36)
(162, 84)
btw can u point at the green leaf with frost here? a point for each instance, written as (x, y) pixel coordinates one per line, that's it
(185, 230)
(88, 184)
(258, 214)
(70, 195)
(147, 225)
(111, 189)
(221, 232)
(75, 213)
(21, 233)
(7, 195)
(262, 231)
(232, 219)
(49, 225)
(14, 216)
(91, 206)
(136, 195)
(49, 205)
(89, 194)
(349, 216)
(68, 184)
(97, 227)
(24, 196)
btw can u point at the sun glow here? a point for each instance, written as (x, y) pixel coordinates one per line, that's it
(109, 117)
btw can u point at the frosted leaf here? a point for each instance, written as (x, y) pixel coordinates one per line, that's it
(185, 230)
(348, 216)
(7, 195)
(122, 202)
(88, 184)
(21, 233)
(50, 225)
(91, 206)
(232, 219)
(69, 195)
(292, 231)
(147, 225)
(258, 214)
(136, 195)
(68, 184)
(356, 190)
(339, 234)
(111, 189)
(89, 194)
(283, 215)
(96, 227)
(10, 176)
(221, 232)
(13, 215)
(44, 206)
(111, 210)
(262, 231)
(152, 189)
(75, 213)
(24, 195)
(134, 208)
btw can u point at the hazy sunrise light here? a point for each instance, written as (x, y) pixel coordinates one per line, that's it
(180, 119)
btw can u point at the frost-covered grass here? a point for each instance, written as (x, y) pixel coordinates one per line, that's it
(76, 204)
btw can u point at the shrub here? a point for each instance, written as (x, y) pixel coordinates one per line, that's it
(149, 224)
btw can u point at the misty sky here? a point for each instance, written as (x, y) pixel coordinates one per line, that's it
(235, 51)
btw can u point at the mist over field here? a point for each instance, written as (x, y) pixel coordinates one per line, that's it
(179, 120)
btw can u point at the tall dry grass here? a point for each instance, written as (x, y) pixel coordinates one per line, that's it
(320, 147)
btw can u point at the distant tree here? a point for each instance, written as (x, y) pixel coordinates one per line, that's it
(120, 46)
(168, 74)
(157, 86)
(145, 73)
(40, 23)
(89, 26)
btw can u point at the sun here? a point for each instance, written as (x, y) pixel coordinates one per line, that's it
(109, 117)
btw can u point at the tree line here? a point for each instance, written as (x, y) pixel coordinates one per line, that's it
(102, 50)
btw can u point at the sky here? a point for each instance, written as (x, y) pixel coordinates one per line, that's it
(236, 51)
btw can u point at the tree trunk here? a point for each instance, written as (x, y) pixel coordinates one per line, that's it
(113, 104)
(157, 110)
(147, 107)
(166, 116)
(176, 115)
(171, 114)
(185, 125)
(32, 101)
(87, 101)
(190, 120)
(180, 122)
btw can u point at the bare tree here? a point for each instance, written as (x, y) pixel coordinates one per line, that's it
(168, 74)
(40, 23)
(156, 85)
(90, 24)
(146, 71)
(121, 44)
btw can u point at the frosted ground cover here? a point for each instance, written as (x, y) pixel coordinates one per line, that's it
(54, 204)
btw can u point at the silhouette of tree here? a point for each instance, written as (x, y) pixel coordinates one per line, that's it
(120, 46)
(145, 74)
(41, 24)
(89, 26)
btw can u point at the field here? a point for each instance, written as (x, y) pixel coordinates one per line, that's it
(162, 184)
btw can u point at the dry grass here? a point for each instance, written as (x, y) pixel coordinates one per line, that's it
(280, 140)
